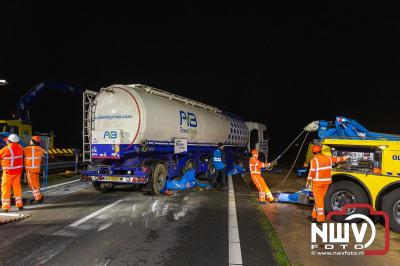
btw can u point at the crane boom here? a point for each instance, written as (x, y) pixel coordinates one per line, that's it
(29, 97)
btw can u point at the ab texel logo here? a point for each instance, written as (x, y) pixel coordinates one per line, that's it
(188, 122)
(355, 236)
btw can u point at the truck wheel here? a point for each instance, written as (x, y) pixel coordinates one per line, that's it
(391, 205)
(189, 166)
(103, 187)
(342, 193)
(159, 178)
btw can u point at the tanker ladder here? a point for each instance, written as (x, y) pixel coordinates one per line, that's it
(89, 107)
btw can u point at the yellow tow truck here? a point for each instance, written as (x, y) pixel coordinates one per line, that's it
(372, 173)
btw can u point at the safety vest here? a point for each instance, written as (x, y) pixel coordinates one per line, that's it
(12, 159)
(218, 159)
(321, 168)
(33, 158)
(256, 166)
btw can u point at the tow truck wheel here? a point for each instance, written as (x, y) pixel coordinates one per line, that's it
(391, 205)
(342, 193)
(103, 187)
(159, 178)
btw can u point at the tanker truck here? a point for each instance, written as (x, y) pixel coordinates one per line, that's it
(139, 135)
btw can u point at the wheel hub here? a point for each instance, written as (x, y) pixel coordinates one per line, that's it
(396, 211)
(160, 180)
(341, 198)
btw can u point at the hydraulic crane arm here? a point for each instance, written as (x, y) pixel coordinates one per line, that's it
(344, 127)
(28, 98)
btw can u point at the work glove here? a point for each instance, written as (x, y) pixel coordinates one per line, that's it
(308, 186)
(274, 162)
(269, 166)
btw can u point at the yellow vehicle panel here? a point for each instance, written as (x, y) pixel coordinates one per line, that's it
(390, 163)
(362, 142)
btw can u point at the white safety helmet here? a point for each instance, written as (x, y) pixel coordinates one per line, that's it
(13, 138)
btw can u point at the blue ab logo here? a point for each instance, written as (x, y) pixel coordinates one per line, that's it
(110, 134)
(188, 123)
(189, 118)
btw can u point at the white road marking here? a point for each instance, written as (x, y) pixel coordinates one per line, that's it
(90, 216)
(53, 186)
(62, 184)
(11, 214)
(235, 253)
(47, 205)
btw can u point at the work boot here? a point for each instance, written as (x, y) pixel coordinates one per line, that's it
(20, 208)
(262, 202)
(38, 201)
(4, 210)
(274, 200)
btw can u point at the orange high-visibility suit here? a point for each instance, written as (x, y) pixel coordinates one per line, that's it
(321, 177)
(33, 160)
(258, 180)
(11, 161)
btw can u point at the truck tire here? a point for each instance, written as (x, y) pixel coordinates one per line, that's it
(342, 193)
(391, 205)
(159, 178)
(103, 187)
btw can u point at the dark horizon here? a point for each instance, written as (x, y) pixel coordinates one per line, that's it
(268, 65)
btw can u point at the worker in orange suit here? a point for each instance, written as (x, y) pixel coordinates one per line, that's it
(11, 157)
(258, 180)
(321, 177)
(33, 160)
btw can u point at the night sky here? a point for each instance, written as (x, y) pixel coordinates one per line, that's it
(264, 63)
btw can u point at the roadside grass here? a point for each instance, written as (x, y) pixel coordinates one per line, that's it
(272, 237)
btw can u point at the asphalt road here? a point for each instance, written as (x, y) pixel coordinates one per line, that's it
(80, 226)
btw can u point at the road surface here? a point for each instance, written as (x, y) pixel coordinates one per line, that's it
(80, 226)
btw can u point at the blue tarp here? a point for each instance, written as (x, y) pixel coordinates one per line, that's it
(236, 169)
(187, 181)
(299, 197)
